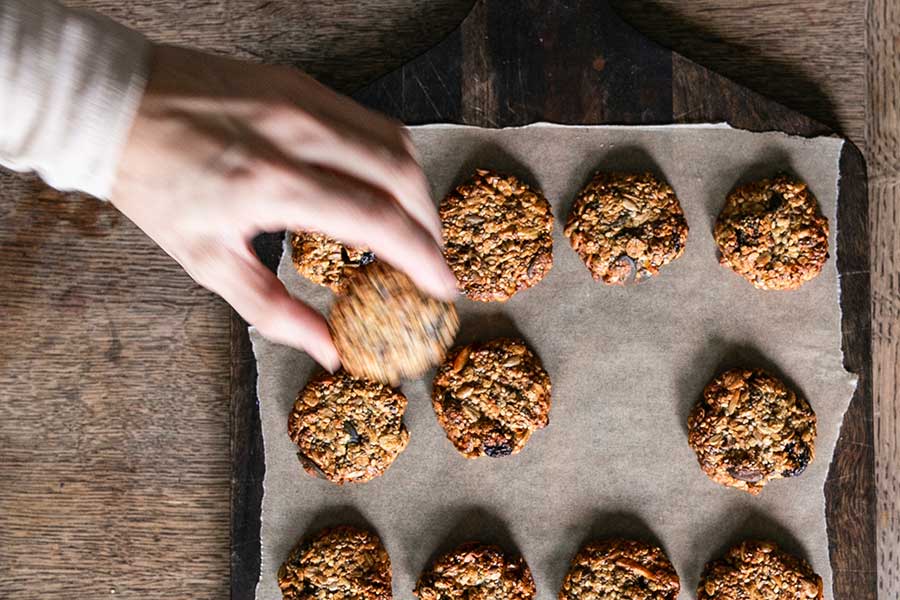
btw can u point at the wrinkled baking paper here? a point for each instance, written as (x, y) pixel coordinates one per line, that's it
(627, 364)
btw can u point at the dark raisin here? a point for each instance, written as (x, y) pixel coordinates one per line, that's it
(366, 258)
(799, 455)
(745, 474)
(355, 438)
(775, 202)
(742, 239)
(345, 256)
(497, 450)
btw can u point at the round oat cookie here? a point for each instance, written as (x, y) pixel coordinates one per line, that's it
(626, 227)
(754, 570)
(476, 572)
(616, 569)
(348, 429)
(750, 428)
(326, 261)
(772, 234)
(490, 397)
(337, 564)
(498, 233)
(385, 329)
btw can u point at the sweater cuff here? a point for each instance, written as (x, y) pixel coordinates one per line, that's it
(72, 84)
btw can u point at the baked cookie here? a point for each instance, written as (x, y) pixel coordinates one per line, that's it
(626, 226)
(385, 329)
(772, 234)
(337, 564)
(754, 570)
(476, 572)
(616, 569)
(498, 236)
(348, 429)
(490, 397)
(750, 428)
(326, 261)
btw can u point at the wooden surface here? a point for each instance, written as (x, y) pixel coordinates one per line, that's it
(114, 382)
(883, 143)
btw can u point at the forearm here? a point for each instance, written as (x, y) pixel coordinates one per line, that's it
(70, 84)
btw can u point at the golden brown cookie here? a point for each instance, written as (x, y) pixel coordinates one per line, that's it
(385, 329)
(490, 397)
(326, 261)
(755, 570)
(616, 569)
(476, 572)
(342, 563)
(348, 429)
(626, 226)
(498, 234)
(772, 234)
(750, 428)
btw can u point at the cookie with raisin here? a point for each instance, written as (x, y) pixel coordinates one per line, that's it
(771, 233)
(491, 397)
(348, 429)
(626, 227)
(498, 234)
(326, 261)
(750, 428)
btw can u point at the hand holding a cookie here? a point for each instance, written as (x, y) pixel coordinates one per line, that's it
(222, 150)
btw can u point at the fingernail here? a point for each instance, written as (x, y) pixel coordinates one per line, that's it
(328, 358)
(449, 283)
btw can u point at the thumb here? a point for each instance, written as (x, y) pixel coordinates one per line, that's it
(261, 299)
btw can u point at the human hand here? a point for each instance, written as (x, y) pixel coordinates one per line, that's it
(222, 150)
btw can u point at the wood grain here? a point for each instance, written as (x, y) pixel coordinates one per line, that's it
(114, 375)
(883, 133)
(803, 54)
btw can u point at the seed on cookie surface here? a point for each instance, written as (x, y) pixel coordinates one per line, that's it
(771, 232)
(326, 261)
(626, 226)
(337, 564)
(476, 571)
(759, 570)
(385, 329)
(490, 397)
(749, 428)
(347, 429)
(618, 569)
(498, 233)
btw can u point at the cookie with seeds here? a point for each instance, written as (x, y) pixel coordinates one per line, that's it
(498, 235)
(758, 570)
(771, 233)
(490, 397)
(337, 564)
(347, 429)
(326, 261)
(617, 569)
(385, 329)
(475, 571)
(750, 428)
(626, 227)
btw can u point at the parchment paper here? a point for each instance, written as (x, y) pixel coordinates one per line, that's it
(626, 364)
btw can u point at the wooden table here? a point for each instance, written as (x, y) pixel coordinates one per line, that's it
(114, 384)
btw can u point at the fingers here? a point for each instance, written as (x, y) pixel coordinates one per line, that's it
(392, 169)
(334, 131)
(257, 295)
(356, 214)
